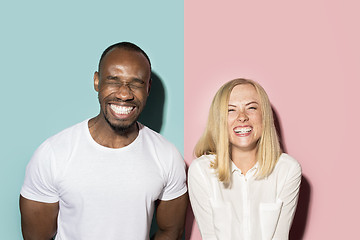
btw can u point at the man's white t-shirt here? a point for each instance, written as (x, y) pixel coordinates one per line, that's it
(104, 193)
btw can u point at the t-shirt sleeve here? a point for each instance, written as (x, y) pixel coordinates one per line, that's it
(39, 184)
(176, 177)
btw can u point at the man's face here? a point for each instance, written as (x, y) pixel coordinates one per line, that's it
(123, 85)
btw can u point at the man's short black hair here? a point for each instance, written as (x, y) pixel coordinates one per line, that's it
(123, 45)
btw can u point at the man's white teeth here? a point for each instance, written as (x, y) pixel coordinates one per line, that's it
(121, 109)
(243, 130)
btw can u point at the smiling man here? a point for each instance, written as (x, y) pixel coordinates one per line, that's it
(101, 178)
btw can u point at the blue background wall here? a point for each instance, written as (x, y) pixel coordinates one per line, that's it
(48, 53)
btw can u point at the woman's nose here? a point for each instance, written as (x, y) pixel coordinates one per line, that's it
(243, 117)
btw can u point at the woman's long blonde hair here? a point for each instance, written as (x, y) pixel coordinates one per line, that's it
(215, 139)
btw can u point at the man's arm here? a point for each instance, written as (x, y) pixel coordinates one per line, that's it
(170, 217)
(38, 220)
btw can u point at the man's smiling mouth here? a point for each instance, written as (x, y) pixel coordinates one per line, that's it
(121, 109)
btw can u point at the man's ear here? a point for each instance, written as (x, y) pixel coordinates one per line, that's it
(96, 81)
(149, 87)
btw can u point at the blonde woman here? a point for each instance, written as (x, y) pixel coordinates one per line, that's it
(242, 186)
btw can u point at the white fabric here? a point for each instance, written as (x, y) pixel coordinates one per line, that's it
(104, 193)
(248, 209)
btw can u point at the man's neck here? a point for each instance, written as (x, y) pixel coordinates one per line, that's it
(105, 135)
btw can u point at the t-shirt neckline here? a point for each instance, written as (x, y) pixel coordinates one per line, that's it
(103, 148)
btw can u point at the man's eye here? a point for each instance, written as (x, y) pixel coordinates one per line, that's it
(111, 81)
(136, 85)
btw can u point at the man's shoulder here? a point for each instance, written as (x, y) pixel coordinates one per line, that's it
(155, 137)
(162, 149)
(57, 147)
(67, 135)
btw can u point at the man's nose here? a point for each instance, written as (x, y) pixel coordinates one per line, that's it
(125, 93)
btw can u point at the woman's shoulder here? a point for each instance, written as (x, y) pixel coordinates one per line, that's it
(202, 163)
(203, 160)
(287, 163)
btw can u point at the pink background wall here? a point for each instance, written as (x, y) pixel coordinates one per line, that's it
(306, 54)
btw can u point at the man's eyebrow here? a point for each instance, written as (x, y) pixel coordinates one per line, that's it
(112, 77)
(138, 80)
(134, 80)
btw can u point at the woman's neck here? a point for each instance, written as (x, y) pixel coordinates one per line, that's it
(244, 160)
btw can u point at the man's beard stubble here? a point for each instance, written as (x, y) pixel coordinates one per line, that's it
(122, 130)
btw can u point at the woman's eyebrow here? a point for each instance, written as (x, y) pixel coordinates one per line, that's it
(252, 102)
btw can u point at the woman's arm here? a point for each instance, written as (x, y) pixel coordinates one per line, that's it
(199, 193)
(289, 195)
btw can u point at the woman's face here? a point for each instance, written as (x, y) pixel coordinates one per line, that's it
(244, 118)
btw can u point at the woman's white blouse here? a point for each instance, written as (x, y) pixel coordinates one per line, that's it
(248, 208)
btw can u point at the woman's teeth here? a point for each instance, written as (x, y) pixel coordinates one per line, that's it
(243, 130)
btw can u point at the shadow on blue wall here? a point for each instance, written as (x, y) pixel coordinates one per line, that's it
(152, 115)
